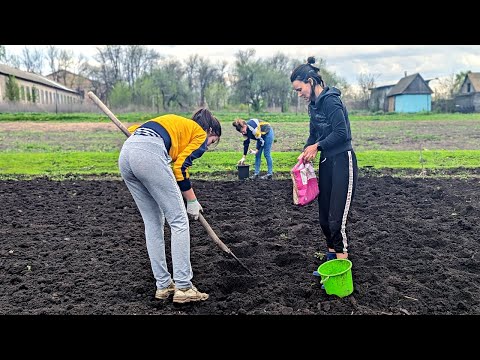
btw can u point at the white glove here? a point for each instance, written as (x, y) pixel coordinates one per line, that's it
(241, 161)
(194, 208)
(253, 151)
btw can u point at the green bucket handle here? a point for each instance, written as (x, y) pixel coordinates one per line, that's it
(323, 281)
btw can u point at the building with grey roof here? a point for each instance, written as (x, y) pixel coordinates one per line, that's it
(468, 98)
(34, 91)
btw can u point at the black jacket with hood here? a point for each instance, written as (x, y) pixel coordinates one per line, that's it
(329, 123)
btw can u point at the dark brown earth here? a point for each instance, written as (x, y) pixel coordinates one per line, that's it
(77, 247)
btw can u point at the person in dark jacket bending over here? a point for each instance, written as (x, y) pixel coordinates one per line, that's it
(262, 132)
(330, 134)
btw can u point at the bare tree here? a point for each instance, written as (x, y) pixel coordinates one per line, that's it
(244, 56)
(65, 62)
(191, 71)
(279, 76)
(366, 81)
(79, 69)
(444, 92)
(138, 59)
(74, 68)
(14, 61)
(207, 73)
(110, 58)
(11, 60)
(217, 91)
(280, 62)
(169, 85)
(446, 87)
(32, 60)
(3, 54)
(263, 82)
(52, 58)
(191, 68)
(449, 85)
(95, 75)
(241, 77)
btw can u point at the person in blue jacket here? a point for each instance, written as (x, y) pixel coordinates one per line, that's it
(331, 136)
(262, 132)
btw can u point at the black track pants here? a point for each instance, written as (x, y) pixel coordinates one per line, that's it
(337, 181)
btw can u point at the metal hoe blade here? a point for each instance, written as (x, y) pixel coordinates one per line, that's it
(202, 220)
(243, 265)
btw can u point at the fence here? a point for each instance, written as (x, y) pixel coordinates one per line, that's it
(50, 108)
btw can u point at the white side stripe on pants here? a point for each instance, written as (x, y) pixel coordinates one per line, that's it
(348, 201)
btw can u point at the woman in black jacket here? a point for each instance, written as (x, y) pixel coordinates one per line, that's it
(330, 134)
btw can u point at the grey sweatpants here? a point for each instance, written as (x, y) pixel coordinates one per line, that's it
(145, 167)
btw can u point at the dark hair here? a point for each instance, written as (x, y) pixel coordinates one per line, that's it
(307, 71)
(207, 121)
(238, 124)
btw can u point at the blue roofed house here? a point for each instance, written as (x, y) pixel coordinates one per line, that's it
(410, 94)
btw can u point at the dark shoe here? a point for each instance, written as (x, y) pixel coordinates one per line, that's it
(266, 177)
(254, 177)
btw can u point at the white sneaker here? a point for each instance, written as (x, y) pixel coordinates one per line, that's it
(163, 294)
(182, 296)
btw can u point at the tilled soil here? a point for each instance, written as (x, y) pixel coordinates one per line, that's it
(78, 247)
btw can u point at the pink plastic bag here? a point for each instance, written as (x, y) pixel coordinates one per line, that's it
(305, 184)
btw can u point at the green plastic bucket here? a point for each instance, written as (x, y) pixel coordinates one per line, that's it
(336, 277)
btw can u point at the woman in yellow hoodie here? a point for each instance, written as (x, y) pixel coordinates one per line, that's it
(160, 187)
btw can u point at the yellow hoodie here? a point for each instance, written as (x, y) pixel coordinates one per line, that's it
(188, 141)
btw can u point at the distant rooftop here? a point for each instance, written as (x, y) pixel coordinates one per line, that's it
(39, 79)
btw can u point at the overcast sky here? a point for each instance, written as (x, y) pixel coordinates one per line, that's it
(388, 62)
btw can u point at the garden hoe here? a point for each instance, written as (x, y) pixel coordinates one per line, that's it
(202, 220)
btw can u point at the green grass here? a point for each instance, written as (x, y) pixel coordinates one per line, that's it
(99, 163)
(289, 136)
(404, 142)
(73, 117)
(86, 163)
(427, 159)
(422, 116)
(224, 117)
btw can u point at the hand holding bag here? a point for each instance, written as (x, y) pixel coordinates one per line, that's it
(305, 183)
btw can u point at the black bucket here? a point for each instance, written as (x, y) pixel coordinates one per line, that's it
(243, 171)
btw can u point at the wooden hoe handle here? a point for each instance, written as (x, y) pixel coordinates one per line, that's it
(202, 220)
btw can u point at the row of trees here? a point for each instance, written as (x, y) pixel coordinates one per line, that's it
(135, 75)
(126, 75)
